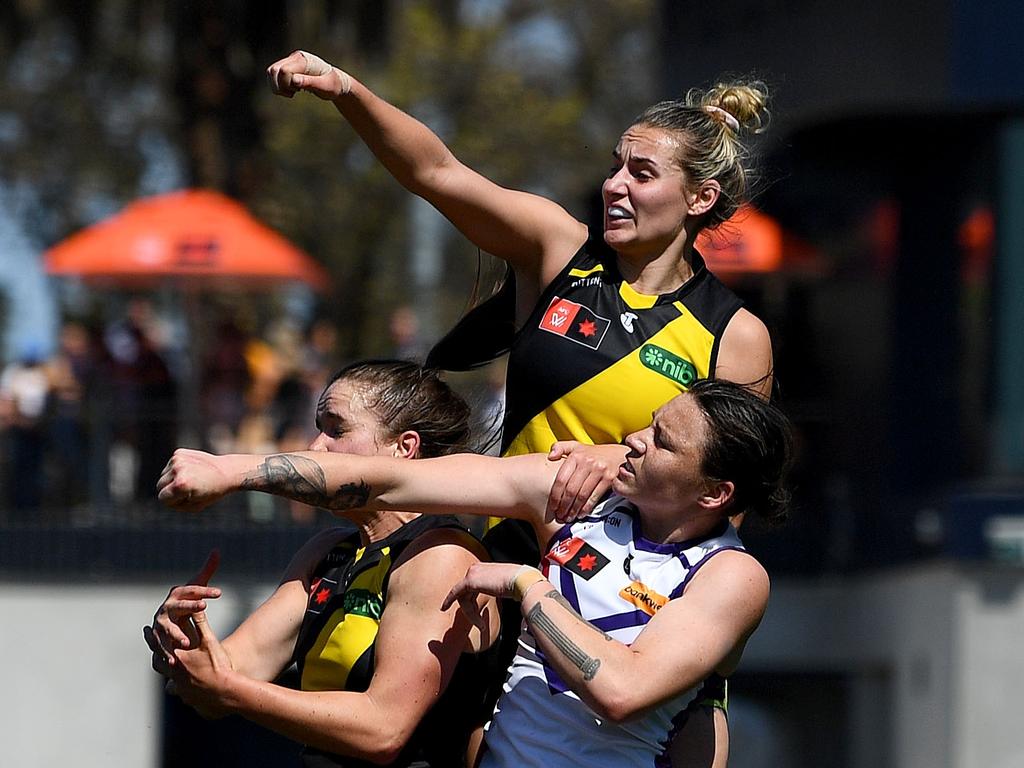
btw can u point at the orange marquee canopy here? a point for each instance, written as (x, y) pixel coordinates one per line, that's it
(200, 236)
(750, 241)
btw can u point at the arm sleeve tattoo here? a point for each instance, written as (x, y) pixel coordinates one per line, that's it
(299, 478)
(540, 621)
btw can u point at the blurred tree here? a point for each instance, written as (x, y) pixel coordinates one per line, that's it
(103, 101)
(524, 91)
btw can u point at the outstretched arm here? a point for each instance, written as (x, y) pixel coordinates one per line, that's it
(534, 234)
(462, 484)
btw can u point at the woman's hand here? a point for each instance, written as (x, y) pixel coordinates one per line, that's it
(495, 579)
(302, 71)
(172, 626)
(200, 673)
(193, 480)
(584, 477)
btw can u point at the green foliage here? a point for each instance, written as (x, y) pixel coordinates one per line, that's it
(91, 88)
(526, 127)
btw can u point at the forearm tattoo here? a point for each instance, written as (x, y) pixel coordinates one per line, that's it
(559, 598)
(538, 620)
(302, 479)
(350, 496)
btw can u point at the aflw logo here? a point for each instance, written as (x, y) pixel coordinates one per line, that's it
(575, 322)
(667, 364)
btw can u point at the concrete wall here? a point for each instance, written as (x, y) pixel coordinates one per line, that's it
(990, 673)
(77, 685)
(933, 654)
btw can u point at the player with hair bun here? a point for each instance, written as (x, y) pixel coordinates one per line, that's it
(602, 327)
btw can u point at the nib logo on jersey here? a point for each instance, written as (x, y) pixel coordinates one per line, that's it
(575, 322)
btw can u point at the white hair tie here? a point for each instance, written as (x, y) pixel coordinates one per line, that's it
(720, 114)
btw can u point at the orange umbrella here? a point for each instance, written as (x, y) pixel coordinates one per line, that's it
(750, 241)
(200, 236)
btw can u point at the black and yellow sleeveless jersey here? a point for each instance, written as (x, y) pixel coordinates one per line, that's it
(596, 358)
(335, 647)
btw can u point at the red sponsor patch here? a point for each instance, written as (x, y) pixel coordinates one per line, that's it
(565, 549)
(320, 592)
(559, 316)
(577, 556)
(575, 322)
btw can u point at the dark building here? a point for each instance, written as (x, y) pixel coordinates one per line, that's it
(895, 153)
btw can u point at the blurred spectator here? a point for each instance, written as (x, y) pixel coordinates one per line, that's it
(144, 398)
(24, 387)
(70, 372)
(293, 399)
(404, 330)
(279, 398)
(320, 356)
(225, 381)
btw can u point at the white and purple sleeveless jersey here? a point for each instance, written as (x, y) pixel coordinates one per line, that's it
(617, 580)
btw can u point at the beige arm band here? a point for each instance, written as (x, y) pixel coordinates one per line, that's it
(525, 578)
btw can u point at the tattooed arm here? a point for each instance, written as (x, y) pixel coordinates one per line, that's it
(303, 480)
(688, 639)
(193, 480)
(463, 484)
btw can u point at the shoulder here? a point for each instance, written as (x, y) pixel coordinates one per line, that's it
(746, 330)
(732, 576)
(745, 355)
(435, 560)
(564, 247)
(438, 541)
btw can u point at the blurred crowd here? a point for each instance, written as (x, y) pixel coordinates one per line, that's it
(89, 427)
(86, 431)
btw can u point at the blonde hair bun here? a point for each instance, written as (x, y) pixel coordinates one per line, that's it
(745, 101)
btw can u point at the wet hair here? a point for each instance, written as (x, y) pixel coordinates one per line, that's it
(406, 396)
(710, 127)
(749, 443)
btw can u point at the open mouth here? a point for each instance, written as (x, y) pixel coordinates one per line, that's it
(618, 213)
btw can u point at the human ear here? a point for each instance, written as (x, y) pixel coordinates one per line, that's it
(717, 495)
(407, 445)
(705, 198)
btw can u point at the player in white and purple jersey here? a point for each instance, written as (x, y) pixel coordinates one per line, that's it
(635, 606)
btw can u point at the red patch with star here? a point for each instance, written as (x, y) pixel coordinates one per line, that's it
(577, 556)
(320, 593)
(574, 322)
